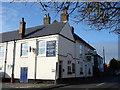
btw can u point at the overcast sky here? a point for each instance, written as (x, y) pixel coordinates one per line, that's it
(12, 13)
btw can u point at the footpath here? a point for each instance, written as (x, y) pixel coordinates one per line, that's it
(45, 86)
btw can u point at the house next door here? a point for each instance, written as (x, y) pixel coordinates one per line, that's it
(24, 74)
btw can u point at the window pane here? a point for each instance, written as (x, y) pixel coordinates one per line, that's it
(41, 44)
(41, 48)
(73, 68)
(24, 49)
(81, 49)
(81, 70)
(69, 70)
(1, 51)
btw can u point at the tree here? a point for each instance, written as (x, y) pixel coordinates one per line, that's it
(100, 15)
(114, 65)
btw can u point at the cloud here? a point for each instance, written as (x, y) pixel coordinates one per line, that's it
(111, 49)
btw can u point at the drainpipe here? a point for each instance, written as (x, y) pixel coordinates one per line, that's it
(14, 49)
(56, 73)
(75, 60)
(35, 63)
(5, 59)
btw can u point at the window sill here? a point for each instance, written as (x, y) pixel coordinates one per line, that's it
(1, 57)
(42, 55)
(24, 56)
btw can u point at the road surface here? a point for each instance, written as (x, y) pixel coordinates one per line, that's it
(112, 83)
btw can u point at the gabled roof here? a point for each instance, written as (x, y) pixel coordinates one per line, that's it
(78, 38)
(42, 30)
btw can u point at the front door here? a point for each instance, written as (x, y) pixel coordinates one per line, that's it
(24, 74)
(86, 71)
(60, 69)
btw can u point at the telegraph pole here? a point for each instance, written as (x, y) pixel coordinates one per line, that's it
(104, 58)
(119, 45)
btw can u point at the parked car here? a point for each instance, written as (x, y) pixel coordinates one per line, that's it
(117, 72)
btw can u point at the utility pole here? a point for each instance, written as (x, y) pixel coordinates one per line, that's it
(104, 58)
(119, 45)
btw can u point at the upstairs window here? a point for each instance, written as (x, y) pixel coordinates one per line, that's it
(2, 51)
(88, 58)
(81, 49)
(41, 47)
(87, 51)
(24, 49)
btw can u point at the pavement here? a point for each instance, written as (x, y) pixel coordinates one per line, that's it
(40, 86)
(90, 83)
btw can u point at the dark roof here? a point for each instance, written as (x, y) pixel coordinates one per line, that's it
(37, 31)
(78, 38)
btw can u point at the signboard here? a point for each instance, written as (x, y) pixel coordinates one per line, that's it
(51, 48)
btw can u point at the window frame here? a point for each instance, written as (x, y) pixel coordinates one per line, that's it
(2, 51)
(81, 71)
(89, 71)
(39, 47)
(88, 58)
(24, 49)
(81, 49)
(69, 67)
(73, 67)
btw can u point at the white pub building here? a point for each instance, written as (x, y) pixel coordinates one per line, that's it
(47, 52)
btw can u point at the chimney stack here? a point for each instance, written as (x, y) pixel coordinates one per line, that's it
(64, 16)
(47, 19)
(22, 29)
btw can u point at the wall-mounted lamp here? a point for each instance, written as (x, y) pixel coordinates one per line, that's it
(32, 49)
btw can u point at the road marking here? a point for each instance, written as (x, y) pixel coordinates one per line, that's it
(100, 84)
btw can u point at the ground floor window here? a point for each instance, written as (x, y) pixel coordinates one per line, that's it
(73, 67)
(89, 71)
(81, 70)
(69, 71)
(69, 67)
